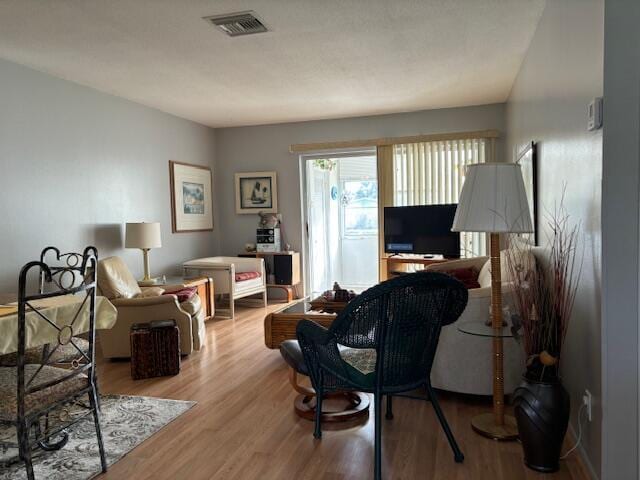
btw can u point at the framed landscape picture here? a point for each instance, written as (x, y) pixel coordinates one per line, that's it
(191, 197)
(528, 160)
(256, 192)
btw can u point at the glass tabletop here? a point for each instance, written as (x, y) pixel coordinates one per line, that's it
(302, 306)
(479, 329)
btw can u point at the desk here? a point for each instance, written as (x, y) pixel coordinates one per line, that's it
(60, 311)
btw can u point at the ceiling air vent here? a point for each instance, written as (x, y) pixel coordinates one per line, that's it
(236, 24)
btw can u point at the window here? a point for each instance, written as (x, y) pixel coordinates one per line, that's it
(433, 173)
(360, 202)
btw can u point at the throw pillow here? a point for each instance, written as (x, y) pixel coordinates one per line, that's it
(467, 276)
(183, 294)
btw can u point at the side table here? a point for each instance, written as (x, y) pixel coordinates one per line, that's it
(204, 286)
(496, 425)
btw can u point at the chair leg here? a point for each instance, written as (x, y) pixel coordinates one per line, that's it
(378, 437)
(232, 307)
(389, 414)
(457, 454)
(318, 427)
(264, 298)
(24, 449)
(93, 400)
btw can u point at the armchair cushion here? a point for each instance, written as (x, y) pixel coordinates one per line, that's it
(115, 279)
(362, 359)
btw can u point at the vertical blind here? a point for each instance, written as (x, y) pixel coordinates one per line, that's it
(429, 173)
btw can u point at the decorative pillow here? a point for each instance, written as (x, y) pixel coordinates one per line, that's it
(242, 276)
(467, 276)
(183, 294)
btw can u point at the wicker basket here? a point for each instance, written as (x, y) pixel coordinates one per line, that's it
(155, 349)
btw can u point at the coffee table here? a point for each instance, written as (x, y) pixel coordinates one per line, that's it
(281, 324)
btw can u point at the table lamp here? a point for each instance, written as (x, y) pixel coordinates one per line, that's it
(144, 236)
(493, 200)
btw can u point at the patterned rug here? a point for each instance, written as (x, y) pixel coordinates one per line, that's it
(126, 422)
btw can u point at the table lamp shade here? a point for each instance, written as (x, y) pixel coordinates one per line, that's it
(143, 235)
(493, 199)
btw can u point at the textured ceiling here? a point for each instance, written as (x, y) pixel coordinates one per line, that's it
(321, 59)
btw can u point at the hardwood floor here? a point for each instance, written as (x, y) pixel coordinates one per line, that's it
(244, 427)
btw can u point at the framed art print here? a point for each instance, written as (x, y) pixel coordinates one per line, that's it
(528, 161)
(191, 197)
(256, 192)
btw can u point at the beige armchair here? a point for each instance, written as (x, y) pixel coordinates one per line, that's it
(463, 362)
(140, 305)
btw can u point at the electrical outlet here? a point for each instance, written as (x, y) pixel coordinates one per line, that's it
(587, 400)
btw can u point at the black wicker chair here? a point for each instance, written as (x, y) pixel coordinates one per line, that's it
(42, 400)
(400, 320)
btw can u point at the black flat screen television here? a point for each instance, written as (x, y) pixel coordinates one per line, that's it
(423, 229)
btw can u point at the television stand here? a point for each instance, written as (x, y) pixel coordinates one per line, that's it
(397, 264)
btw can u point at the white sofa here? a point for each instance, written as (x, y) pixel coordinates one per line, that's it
(463, 362)
(223, 271)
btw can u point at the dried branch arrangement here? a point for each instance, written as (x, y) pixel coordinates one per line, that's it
(544, 294)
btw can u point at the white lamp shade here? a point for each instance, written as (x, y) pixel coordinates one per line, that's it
(143, 235)
(493, 199)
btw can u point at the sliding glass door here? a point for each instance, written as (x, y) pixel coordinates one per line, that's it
(341, 221)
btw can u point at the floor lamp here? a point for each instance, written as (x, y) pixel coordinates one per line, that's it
(493, 200)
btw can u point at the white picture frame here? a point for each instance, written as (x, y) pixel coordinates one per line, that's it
(191, 197)
(256, 192)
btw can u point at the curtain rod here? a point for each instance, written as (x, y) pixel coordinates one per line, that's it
(377, 142)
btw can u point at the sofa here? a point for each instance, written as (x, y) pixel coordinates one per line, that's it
(237, 277)
(463, 362)
(144, 304)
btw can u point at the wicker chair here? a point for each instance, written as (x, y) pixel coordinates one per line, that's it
(395, 325)
(31, 393)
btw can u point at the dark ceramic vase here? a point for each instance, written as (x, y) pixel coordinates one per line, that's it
(542, 412)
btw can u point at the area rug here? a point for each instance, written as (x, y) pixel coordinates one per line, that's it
(126, 422)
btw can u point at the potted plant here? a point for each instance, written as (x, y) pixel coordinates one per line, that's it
(544, 294)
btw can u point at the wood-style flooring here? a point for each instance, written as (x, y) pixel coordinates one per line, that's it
(244, 427)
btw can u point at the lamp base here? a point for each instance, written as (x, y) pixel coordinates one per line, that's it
(148, 283)
(485, 424)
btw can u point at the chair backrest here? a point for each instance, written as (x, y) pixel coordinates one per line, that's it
(77, 278)
(402, 318)
(115, 280)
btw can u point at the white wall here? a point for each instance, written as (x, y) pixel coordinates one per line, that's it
(246, 149)
(75, 164)
(621, 240)
(562, 72)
